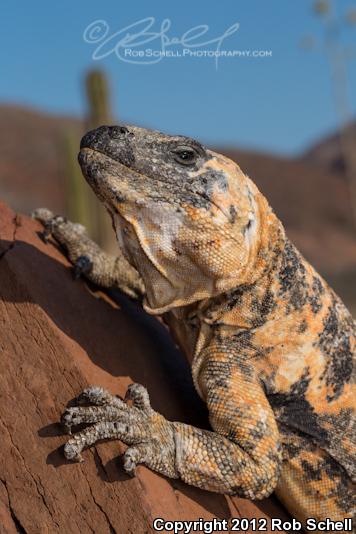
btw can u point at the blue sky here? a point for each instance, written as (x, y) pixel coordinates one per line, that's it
(278, 104)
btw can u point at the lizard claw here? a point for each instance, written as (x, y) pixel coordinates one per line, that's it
(71, 453)
(42, 214)
(129, 463)
(139, 395)
(67, 421)
(82, 266)
(94, 395)
(47, 231)
(49, 221)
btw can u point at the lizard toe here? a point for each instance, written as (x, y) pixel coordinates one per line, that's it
(94, 395)
(42, 214)
(133, 456)
(99, 396)
(72, 453)
(139, 395)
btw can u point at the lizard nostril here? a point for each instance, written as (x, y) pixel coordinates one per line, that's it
(116, 132)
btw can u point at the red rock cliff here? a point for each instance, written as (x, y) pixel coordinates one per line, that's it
(56, 337)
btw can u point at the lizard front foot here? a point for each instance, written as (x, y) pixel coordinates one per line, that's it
(88, 259)
(149, 435)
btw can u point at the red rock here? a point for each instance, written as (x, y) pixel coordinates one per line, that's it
(56, 337)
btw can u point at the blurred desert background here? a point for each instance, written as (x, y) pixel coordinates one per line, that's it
(287, 120)
(310, 193)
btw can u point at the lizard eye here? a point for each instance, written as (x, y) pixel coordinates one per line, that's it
(185, 155)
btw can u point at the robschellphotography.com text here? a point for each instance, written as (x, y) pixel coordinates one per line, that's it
(127, 43)
(186, 52)
(256, 525)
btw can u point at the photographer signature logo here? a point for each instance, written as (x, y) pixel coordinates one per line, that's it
(138, 43)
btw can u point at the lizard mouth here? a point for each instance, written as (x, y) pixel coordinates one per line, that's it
(109, 178)
(87, 157)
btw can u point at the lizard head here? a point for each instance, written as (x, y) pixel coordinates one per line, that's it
(186, 217)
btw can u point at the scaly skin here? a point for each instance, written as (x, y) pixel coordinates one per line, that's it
(272, 347)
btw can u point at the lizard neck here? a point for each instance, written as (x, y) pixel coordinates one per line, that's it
(274, 282)
(246, 306)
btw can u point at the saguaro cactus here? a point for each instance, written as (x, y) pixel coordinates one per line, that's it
(99, 112)
(83, 205)
(97, 91)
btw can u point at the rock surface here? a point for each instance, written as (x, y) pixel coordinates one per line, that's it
(56, 337)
